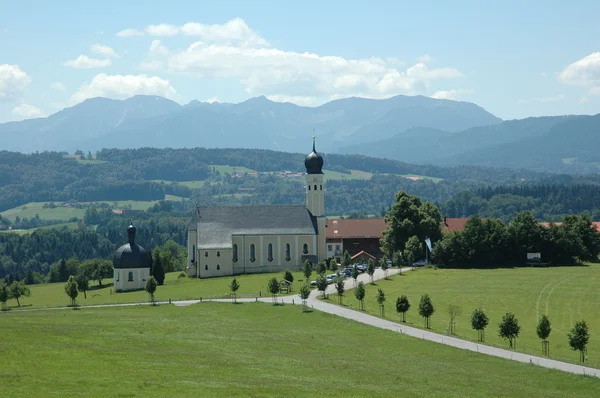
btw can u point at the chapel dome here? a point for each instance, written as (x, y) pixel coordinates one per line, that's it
(131, 255)
(314, 162)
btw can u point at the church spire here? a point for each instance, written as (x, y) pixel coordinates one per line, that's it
(314, 140)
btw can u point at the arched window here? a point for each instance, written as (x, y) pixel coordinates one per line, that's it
(235, 254)
(205, 254)
(315, 187)
(305, 248)
(218, 254)
(252, 253)
(193, 253)
(288, 252)
(218, 267)
(118, 276)
(206, 267)
(321, 187)
(130, 279)
(309, 187)
(270, 252)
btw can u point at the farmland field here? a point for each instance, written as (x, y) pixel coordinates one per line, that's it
(355, 175)
(565, 294)
(218, 349)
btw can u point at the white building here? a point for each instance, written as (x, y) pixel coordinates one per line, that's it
(131, 265)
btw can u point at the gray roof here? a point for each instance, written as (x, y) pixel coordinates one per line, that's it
(217, 224)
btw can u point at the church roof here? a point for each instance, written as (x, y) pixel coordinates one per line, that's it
(217, 224)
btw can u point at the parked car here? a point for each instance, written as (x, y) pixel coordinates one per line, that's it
(347, 272)
(362, 268)
(420, 263)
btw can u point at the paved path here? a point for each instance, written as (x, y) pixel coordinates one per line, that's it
(371, 320)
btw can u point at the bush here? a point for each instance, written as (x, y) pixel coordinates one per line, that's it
(181, 275)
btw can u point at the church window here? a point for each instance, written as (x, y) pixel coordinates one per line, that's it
(193, 253)
(206, 267)
(235, 254)
(130, 277)
(252, 253)
(305, 248)
(118, 276)
(205, 254)
(218, 254)
(309, 187)
(321, 187)
(218, 267)
(270, 252)
(288, 251)
(315, 187)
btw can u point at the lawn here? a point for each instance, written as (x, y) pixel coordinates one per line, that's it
(565, 294)
(251, 349)
(30, 209)
(53, 294)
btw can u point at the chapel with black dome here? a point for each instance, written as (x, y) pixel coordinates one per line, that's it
(131, 264)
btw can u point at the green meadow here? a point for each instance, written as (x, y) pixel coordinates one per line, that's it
(250, 349)
(565, 294)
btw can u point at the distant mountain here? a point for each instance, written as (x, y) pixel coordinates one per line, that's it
(256, 123)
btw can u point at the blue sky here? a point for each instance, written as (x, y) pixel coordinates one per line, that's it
(514, 58)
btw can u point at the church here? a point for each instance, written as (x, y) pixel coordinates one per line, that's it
(233, 240)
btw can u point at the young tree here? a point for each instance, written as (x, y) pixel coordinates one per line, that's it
(4, 294)
(151, 287)
(509, 329)
(454, 311)
(339, 287)
(71, 289)
(398, 261)
(273, 287)
(321, 267)
(234, 286)
(304, 295)
(479, 321)
(332, 265)
(347, 259)
(370, 269)
(17, 290)
(380, 300)
(322, 284)
(307, 271)
(402, 306)
(355, 274)
(578, 338)
(543, 331)
(360, 293)
(157, 270)
(413, 251)
(426, 309)
(383, 263)
(83, 284)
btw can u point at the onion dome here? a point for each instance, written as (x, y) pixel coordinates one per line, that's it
(131, 255)
(314, 161)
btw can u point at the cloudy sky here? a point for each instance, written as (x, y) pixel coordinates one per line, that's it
(516, 58)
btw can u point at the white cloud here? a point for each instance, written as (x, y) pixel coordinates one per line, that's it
(594, 91)
(123, 86)
(553, 98)
(104, 51)
(162, 30)
(158, 49)
(58, 86)
(130, 33)
(26, 111)
(425, 58)
(585, 72)
(451, 94)
(151, 65)
(584, 100)
(211, 100)
(85, 62)
(13, 82)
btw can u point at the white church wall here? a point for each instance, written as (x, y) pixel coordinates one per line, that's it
(122, 282)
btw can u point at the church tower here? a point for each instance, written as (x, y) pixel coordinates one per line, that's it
(315, 197)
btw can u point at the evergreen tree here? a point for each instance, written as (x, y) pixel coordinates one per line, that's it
(157, 270)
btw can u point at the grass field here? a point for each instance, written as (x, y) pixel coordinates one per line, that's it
(252, 349)
(355, 175)
(190, 184)
(419, 177)
(231, 169)
(53, 294)
(565, 294)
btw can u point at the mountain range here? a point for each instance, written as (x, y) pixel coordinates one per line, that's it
(412, 129)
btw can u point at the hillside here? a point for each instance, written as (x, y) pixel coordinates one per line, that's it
(150, 121)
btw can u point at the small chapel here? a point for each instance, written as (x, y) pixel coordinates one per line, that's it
(233, 240)
(131, 265)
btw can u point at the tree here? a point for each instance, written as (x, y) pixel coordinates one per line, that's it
(578, 339)
(307, 270)
(83, 284)
(509, 329)
(398, 261)
(380, 300)
(383, 263)
(479, 321)
(410, 217)
(4, 294)
(304, 295)
(71, 289)
(322, 284)
(426, 309)
(370, 269)
(234, 286)
(339, 287)
(332, 265)
(63, 271)
(360, 293)
(543, 331)
(97, 270)
(355, 274)
(157, 270)
(273, 287)
(288, 276)
(17, 290)
(454, 311)
(321, 267)
(413, 251)
(151, 284)
(347, 259)
(402, 306)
